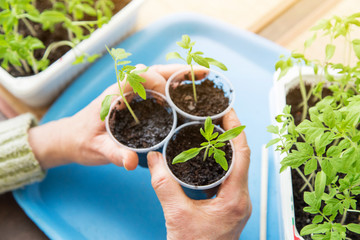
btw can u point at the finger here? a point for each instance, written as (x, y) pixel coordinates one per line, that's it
(167, 189)
(230, 121)
(154, 80)
(118, 155)
(167, 70)
(238, 179)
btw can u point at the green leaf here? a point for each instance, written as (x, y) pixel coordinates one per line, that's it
(189, 59)
(182, 45)
(308, 229)
(310, 41)
(105, 106)
(93, 57)
(203, 133)
(311, 129)
(173, 55)
(209, 128)
(329, 51)
(318, 219)
(185, 39)
(356, 47)
(123, 62)
(200, 60)
(79, 59)
(219, 157)
(135, 82)
(216, 63)
(353, 227)
(186, 155)
(118, 53)
(329, 117)
(310, 166)
(230, 134)
(214, 135)
(320, 183)
(272, 142)
(219, 145)
(273, 129)
(137, 72)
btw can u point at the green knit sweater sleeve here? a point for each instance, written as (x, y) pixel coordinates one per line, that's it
(18, 165)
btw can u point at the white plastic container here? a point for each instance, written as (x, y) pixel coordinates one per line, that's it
(199, 191)
(41, 89)
(149, 94)
(277, 104)
(178, 78)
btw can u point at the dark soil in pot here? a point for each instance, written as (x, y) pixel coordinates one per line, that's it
(211, 99)
(48, 37)
(155, 124)
(302, 218)
(195, 171)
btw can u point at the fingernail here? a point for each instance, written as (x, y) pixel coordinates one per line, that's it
(152, 154)
(124, 162)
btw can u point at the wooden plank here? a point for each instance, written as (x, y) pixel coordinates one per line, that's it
(297, 19)
(270, 16)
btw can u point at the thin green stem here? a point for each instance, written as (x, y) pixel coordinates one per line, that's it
(352, 210)
(122, 94)
(206, 152)
(25, 65)
(55, 45)
(309, 179)
(193, 82)
(343, 219)
(303, 95)
(305, 180)
(29, 27)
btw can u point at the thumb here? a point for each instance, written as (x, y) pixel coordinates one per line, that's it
(167, 189)
(119, 155)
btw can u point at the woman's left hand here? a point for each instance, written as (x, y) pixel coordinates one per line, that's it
(83, 139)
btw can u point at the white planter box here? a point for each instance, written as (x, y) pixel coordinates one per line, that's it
(277, 104)
(41, 89)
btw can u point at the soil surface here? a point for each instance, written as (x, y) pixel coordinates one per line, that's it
(211, 99)
(302, 218)
(155, 124)
(48, 37)
(195, 171)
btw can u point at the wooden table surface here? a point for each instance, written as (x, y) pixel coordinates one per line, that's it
(285, 22)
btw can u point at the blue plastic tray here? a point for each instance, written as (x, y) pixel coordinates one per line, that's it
(107, 202)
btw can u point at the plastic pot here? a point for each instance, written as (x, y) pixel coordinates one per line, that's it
(130, 96)
(182, 77)
(42, 88)
(204, 191)
(277, 104)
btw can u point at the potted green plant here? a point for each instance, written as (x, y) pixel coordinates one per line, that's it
(200, 159)
(140, 120)
(42, 40)
(196, 92)
(317, 135)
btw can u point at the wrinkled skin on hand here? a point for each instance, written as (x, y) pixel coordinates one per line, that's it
(223, 217)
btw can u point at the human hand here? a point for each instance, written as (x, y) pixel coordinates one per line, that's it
(83, 139)
(223, 217)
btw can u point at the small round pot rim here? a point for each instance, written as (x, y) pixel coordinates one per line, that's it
(194, 117)
(203, 187)
(142, 150)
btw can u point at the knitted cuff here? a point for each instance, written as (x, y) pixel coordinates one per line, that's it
(18, 165)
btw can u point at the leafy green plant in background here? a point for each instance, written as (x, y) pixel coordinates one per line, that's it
(18, 50)
(128, 74)
(327, 144)
(193, 57)
(214, 141)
